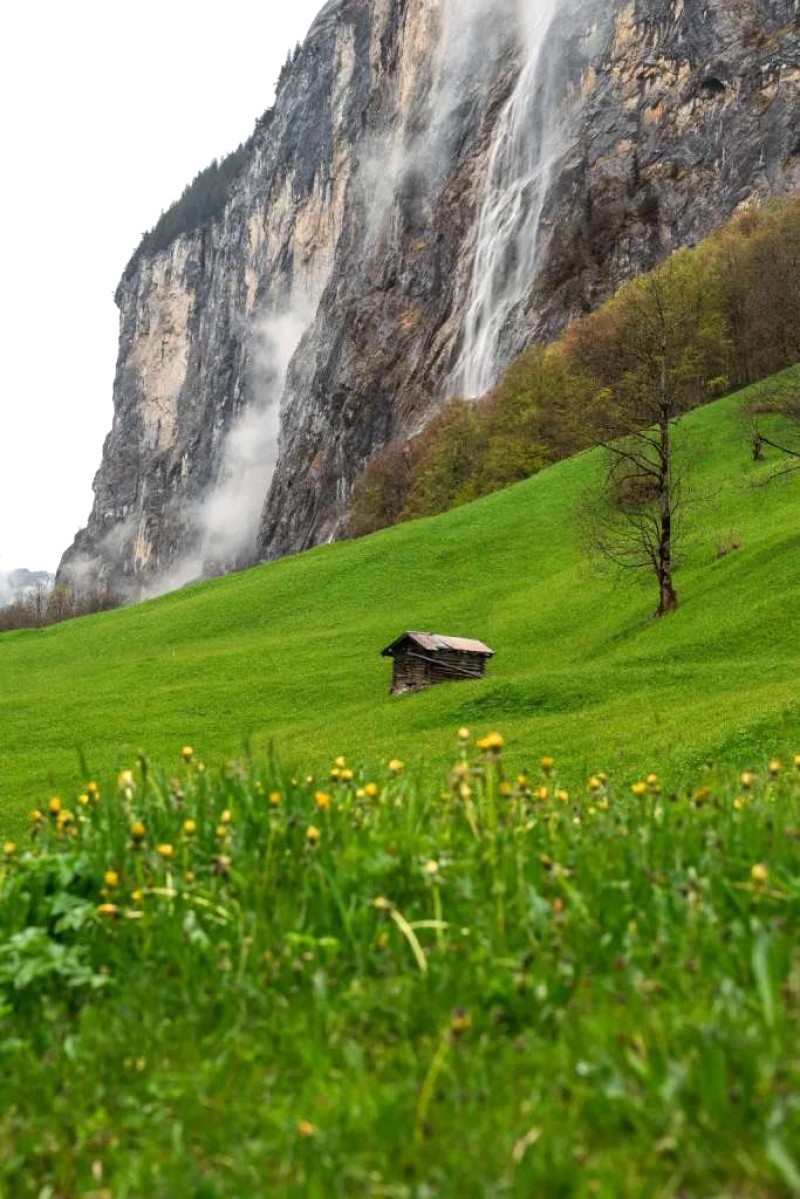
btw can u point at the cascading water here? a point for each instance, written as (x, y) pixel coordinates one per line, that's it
(528, 143)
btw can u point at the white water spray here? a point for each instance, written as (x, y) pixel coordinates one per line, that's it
(528, 143)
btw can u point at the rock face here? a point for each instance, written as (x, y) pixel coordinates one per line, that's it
(440, 181)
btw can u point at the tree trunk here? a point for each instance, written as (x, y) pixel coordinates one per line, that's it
(667, 596)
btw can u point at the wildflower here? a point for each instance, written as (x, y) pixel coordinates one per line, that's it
(189, 828)
(595, 784)
(93, 789)
(137, 896)
(312, 835)
(226, 817)
(774, 768)
(797, 761)
(138, 831)
(522, 780)
(431, 869)
(558, 906)
(83, 800)
(189, 877)
(395, 766)
(562, 796)
(64, 818)
(222, 832)
(506, 788)
(464, 734)
(460, 1022)
(747, 779)
(759, 874)
(125, 779)
(306, 1130)
(187, 753)
(346, 776)
(35, 816)
(9, 849)
(54, 806)
(111, 878)
(322, 800)
(108, 910)
(340, 761)
(165, 851)
(274, 798)
(547, 764)
(639, 789)
(371, 790)
(739, 802)
(652, 779)
(493, 743)
(542, 793)
(335, 774)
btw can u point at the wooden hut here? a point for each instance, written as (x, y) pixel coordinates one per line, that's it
(424, 659)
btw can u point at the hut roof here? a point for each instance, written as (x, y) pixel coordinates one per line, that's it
(434, 643)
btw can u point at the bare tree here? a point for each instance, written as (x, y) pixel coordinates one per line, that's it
(646, 361)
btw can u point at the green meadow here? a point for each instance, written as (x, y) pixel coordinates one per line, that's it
(288, 654)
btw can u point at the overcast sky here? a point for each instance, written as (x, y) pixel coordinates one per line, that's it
(108, 110)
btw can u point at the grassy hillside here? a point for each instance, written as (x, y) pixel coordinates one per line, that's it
(290, 651)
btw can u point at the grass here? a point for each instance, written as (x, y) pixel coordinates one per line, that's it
(482, 973)
(289, 652)
(249, 985)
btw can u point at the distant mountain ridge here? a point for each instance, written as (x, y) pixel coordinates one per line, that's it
(15, 583)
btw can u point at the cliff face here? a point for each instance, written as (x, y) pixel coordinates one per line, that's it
(439, 182)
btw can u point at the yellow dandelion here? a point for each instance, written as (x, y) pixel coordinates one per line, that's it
(312, 834)
(64, 817)
(340, 761)
(775, 767)
(125, 779)
(187, 753)
(322, 800)
(759, 874)
(189, 876)
(111, 878)
(562, 796)
(464, 734)
(492, 743)
(346, 776)
(9, 849)
(639, 789)
(93, 788)
(797, 761)
(652, 779)
(35, 816)
(108, 909)
(522, 780)
(274, 798)
(739, 803)
(335, 774)
(306, 1130)
(83, 800)
(371, 790)
(595, 784)
(138, 831)
(747, 779)
(189, 828)
(430, 869)
(226, 817)
(137, 896)
(542, 793)
(460, 1022)
(165, 851)
(222, 831)
(506, 788)
(395, 766)
(54, 806)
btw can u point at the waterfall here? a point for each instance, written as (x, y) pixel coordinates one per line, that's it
(527, 145)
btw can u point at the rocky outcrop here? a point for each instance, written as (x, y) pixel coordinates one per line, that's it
(266, 356)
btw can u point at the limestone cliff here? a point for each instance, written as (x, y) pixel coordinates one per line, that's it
(439, 182)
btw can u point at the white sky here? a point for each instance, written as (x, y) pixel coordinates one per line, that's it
(107, 110)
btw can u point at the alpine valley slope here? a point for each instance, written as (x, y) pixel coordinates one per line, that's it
(290, 650)
(439, 183)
